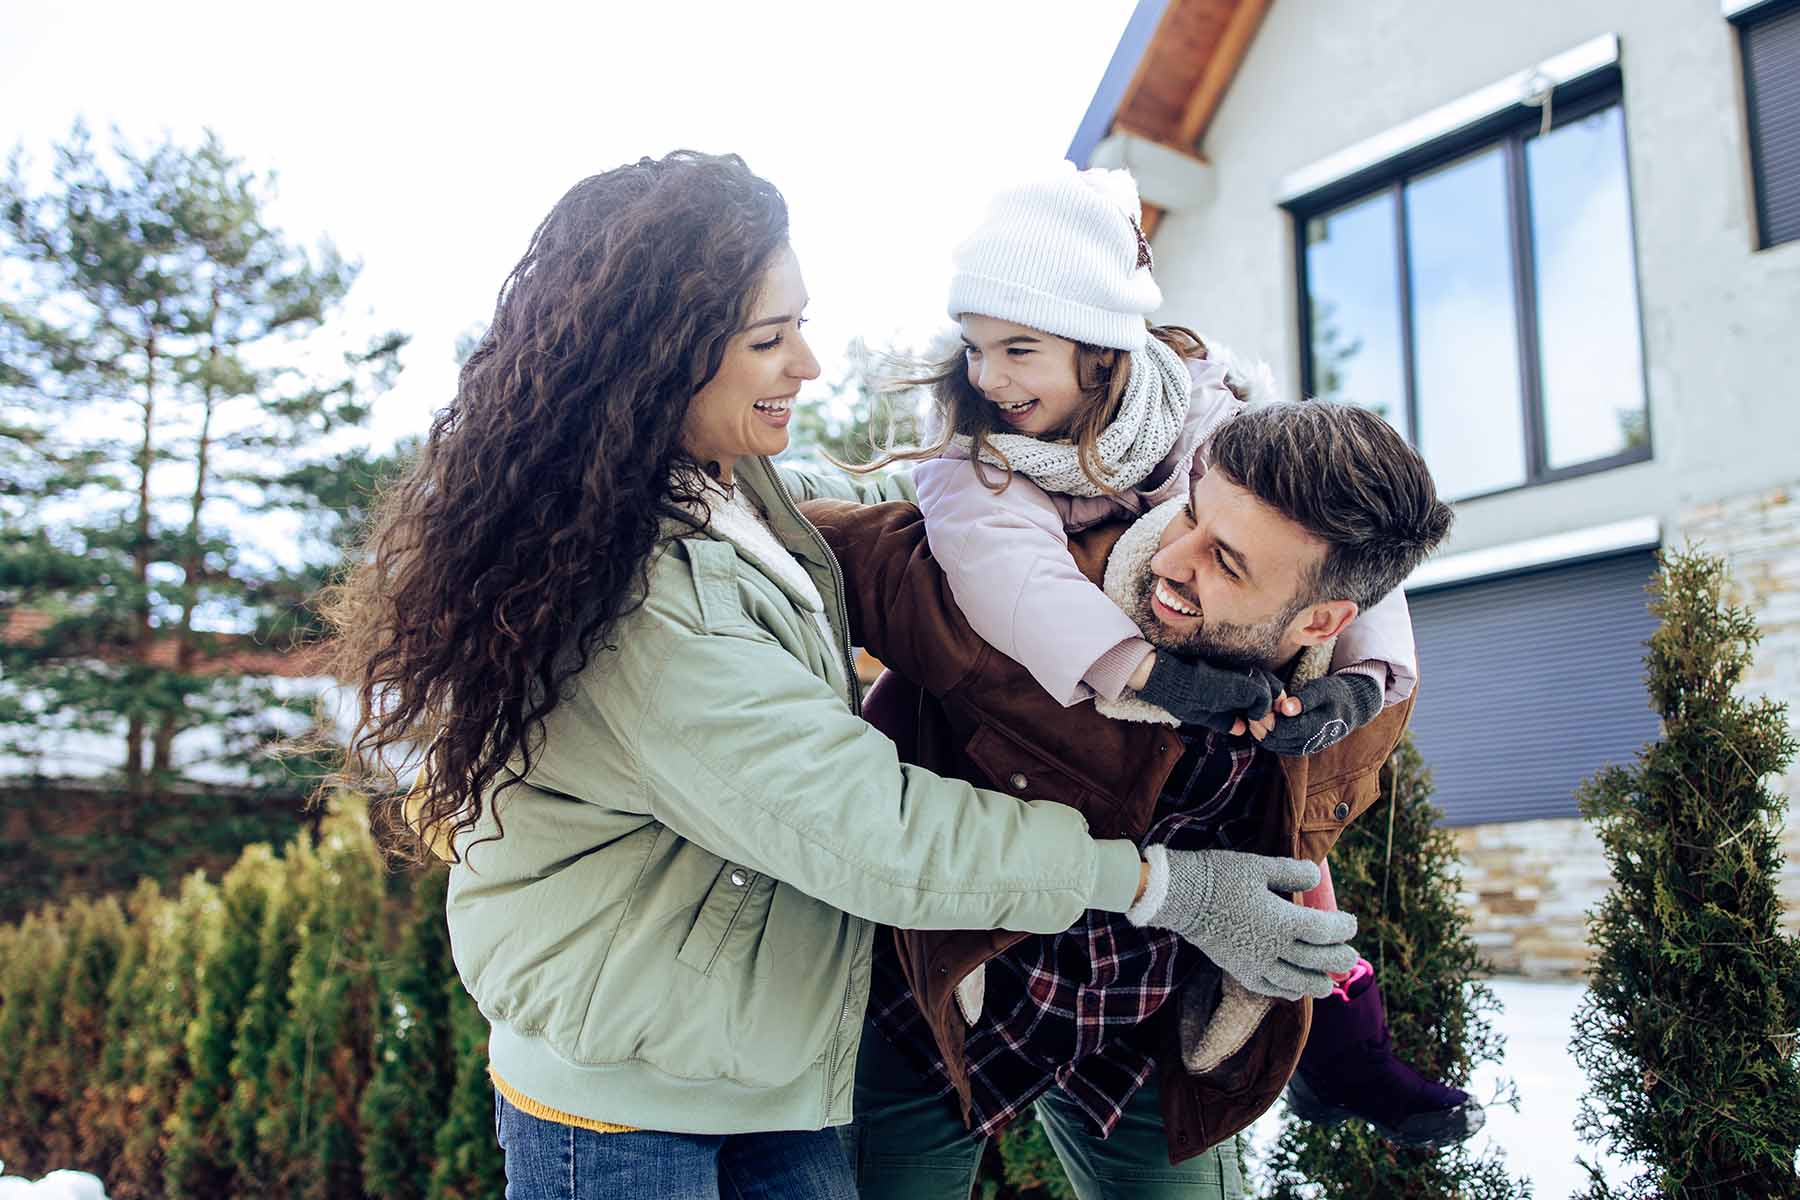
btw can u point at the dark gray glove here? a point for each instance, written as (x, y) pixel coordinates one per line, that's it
(1330, 708)
(1223, 902)
(1197, 693)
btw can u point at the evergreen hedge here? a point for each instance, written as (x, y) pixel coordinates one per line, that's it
(1397, 869)
(295, 1029)
(1690, 1034)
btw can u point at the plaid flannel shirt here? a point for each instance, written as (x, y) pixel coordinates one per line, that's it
(1069, 1009)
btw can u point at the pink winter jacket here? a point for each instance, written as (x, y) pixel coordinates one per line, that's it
(1006, 556)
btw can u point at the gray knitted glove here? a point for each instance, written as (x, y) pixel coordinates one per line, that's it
(1330, 708)
(1197, 693)
(1224, 903)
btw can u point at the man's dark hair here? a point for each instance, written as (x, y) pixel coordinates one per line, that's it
(1345, 476)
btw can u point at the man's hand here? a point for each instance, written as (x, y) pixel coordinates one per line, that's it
(1224, 902)
(1197, 693)
(1327, 710)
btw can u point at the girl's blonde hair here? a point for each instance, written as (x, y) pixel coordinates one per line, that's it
(958, 407)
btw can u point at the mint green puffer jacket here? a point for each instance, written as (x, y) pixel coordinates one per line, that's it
(674, 930)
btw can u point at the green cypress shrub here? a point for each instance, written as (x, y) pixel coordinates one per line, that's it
(105, 1113)
(414, 1056)
(1396, 869)
(320, 1063)
(157, 1054)
(1689, 1032)
(72, 1051)
(199, 1162)
(467, 1163)
(265, 1014)
(26, 1009)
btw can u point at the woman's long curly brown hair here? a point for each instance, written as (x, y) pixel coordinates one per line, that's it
(496, 568)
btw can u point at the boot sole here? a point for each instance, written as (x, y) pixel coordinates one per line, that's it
(1432, 1130)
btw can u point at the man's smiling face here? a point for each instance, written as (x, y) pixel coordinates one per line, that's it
(1228, 580)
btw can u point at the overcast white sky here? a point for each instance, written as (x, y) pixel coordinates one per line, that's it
(430, 140)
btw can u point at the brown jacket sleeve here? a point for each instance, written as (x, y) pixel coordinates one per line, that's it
(900, 605)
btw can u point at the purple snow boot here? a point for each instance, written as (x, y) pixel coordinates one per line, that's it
(1349, 1069)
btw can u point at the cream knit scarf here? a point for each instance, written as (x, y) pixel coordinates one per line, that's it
(1151, 415)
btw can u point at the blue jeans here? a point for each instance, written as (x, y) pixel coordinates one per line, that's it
(548, 1161)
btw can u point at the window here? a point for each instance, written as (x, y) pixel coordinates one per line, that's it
(1770, 38)
(1481, 295)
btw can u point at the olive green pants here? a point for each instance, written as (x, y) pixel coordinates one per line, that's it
(907, 1144)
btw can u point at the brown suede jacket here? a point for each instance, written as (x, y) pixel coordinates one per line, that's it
(978, 716)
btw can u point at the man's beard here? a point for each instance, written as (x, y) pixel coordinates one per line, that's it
(1129, 582)
(1221, 643)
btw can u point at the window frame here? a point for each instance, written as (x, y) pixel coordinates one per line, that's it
(1510, 129)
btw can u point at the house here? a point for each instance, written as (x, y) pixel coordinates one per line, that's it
(1558, 247)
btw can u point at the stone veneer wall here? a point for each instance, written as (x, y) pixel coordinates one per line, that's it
(1530, 884)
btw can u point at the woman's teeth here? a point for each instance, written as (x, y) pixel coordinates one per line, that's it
(774, 406)
(1170, 600)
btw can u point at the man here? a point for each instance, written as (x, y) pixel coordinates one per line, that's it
(1142, 1059)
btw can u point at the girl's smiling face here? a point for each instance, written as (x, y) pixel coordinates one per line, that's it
(1028, 375)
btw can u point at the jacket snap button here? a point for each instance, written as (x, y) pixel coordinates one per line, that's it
(1341, 811)
(1018, 781)
(739, 879)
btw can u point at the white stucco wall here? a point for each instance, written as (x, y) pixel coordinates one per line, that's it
(1721, 321)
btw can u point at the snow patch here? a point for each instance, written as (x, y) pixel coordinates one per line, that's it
(57, 1185)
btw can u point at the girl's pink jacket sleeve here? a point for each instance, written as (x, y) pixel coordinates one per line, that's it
(1007, 560)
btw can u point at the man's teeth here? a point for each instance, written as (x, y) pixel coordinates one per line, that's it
(774, 406)
(1016, 406)
(1170, 600)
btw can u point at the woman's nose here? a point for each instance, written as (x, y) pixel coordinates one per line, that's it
(805, 364)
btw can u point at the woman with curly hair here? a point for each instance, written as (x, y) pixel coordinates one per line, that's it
(596, 604)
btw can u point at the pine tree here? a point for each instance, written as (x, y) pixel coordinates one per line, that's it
(146, 294)
(320, 1063)
(1690, 1029)
(467, 1163)
(199, 1162)
(414, 1054)
(1396, 869)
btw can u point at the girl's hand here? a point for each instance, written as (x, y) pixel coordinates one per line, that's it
(1284, 706)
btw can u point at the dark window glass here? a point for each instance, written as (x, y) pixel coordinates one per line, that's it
(1771, 42)
(1465, 332)
(1591, 366)
(1353, 269)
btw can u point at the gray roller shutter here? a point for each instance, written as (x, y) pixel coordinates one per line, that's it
(1529, 683)
(1771, 43)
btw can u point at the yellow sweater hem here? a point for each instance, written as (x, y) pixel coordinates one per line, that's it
(544, 1112)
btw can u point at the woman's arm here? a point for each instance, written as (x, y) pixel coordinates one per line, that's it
(780, 776)
(834, 485)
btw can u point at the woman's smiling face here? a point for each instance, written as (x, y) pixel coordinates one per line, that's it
(744, 410)
(1028, 375)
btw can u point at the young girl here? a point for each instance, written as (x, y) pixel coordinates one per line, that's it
(1063, 408)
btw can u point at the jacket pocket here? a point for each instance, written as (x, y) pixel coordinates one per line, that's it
(719, 912)
(1337, 804)
(1013, 767)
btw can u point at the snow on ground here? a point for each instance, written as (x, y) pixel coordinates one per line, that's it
(57, 1185)
(1539, 1140)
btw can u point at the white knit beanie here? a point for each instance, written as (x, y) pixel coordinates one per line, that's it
(1065, 254)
